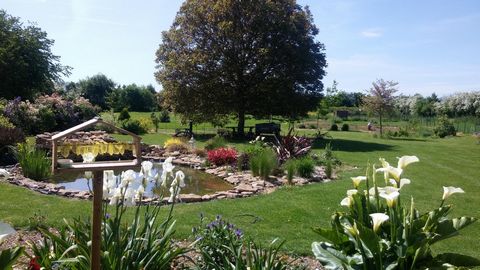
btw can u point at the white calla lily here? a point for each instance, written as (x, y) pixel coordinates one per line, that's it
(357, 180)
(390, 198)
(5, 231)
(378, 219)
(351, 192)
(447, 191)
(4, 174)
(401, 183)
(405, 160)
(383, 190)
(347, 201)
(180, 176)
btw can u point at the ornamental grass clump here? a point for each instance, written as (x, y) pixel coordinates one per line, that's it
(34, 162)
(263, 163)
(379, 232)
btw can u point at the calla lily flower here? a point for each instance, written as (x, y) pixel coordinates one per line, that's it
(383, 190)
(353, 230)
(390, 198)
(351, 192)
(378, 219)
(357, 180)
(447, 191)
(405, 160)
(139, 192)
(4, 174)
(5, 231)
(392, 171)
(180, 176)
(401, 183)
(347, 201)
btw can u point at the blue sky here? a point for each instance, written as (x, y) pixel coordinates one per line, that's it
(427, 46)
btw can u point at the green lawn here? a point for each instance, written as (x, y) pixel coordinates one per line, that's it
(289, 213)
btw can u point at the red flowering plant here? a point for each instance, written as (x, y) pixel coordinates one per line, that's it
(222, 156)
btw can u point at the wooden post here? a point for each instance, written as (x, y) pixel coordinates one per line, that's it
(97, 220)
(54, 156)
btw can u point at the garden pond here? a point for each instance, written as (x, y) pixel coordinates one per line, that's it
(197, 182)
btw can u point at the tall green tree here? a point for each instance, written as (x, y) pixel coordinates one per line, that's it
(134, 97)
(257, 57)
(380, 99)
(27, 65)
(96, 89)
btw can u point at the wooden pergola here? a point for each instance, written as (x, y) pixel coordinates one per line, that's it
(97, 168)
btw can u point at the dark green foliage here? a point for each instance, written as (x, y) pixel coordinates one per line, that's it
(243, 162)
(263, 163)
(334, 127)
(444, 127)
(34, 162)
(215, 142)
(96, 89)
(208, 72)
(164, 116)
(27, 65)
(222, 246)
(143, 243)
(155, 120)
(305, 167)
(9, 137)
(123, 115)
(302, 125)
(9, 256)
(134, 126)
(136, 98)
(345, 127)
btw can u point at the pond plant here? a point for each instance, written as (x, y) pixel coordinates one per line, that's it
(379, 232)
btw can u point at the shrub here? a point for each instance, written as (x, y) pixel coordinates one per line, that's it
(302, 125)
(123, 115)
(134, 126)
(175, 144)
(334, 127)
(215, 142)
(313, 126)
(222, 246)
(34, 162)
(263, 163)
(444, 127)
(155, 121)
(242, 162)
(305, 167)
(222, 156)
(9, 137)
(49, 113)
(5, 123)
(200, 152)
(378, 232)
(164, 116)
(145, 123)
(345, 127)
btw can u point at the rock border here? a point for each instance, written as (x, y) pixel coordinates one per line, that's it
(244, 183)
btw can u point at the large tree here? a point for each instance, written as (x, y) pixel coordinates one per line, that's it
(257, 57)
(380, 99)
(96, 89)
(27, 65)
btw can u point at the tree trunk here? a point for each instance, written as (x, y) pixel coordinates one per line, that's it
(381, 127)
(241, 124)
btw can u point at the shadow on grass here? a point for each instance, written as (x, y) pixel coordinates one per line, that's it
(351, 145)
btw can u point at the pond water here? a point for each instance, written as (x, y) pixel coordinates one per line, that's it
(197, 182)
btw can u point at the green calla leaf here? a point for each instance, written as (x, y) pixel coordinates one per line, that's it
(331, 258)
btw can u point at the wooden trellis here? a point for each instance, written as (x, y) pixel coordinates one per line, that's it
(97, 168)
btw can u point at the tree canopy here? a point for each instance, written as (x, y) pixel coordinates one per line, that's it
(27, 65)
(380, 99)
(96, 89)
(237, 57)
(133, 97)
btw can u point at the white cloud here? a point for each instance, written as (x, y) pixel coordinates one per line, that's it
(371, 33)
